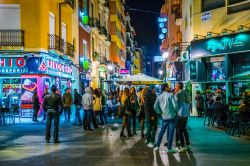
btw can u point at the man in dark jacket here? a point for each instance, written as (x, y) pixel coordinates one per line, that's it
(78, 105)
(67, 102)
(151, 117)
(53, 106)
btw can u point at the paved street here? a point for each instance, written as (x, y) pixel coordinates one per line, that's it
(23, 144)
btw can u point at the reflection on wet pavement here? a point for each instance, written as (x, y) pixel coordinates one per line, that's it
(24, 144)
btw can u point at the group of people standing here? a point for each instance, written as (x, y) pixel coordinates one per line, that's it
(172, 107)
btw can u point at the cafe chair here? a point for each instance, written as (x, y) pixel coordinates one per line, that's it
(244, 122)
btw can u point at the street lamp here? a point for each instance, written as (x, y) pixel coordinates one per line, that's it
(110, 67)
(165, 57)
(160, 72)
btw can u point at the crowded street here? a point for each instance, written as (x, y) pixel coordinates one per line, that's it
(24, 144)
(124, 82)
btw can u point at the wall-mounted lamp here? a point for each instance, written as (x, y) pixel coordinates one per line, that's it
(242, 27)
(199, 36)
(210, 34)
(225, 31)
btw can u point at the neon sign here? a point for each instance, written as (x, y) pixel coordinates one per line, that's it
(50, 65)
(13, 65)
(226, 44)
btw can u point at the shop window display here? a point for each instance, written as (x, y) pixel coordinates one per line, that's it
(216, 71)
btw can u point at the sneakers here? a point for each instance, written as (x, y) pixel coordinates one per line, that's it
(171, 150)
(150, 145)
(182, 149)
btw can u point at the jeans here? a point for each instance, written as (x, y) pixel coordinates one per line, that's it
(77, 115)
(182, 131)
(86, 119)
(52, 115)
(67, 113)
(103, 116)
(151, 130)
(171, 125)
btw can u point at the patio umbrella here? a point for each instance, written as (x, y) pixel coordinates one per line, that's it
(139, 79)
(244, 75)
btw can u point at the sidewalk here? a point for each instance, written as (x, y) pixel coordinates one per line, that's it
(23, 144)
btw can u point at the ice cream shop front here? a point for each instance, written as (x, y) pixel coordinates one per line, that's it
(23, 76)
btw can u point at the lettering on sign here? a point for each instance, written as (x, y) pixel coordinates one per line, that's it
(214, 45)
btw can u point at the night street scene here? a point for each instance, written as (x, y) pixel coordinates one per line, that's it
(124, 82)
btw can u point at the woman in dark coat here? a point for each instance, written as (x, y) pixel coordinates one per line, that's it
(36, 106)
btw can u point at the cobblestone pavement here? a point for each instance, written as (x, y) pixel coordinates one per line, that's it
(23, 144)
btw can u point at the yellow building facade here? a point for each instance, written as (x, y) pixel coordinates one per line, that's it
(118, 33)
(38, 48)
(100, 42)
(198, 19)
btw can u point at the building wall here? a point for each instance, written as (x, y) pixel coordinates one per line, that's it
(116, 26)
(219, 20)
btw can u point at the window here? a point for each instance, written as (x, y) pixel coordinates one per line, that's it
(186, 22)
(85, 49)
(238, 8)
(231, 2)
(211, 4)
(191, 14)
(92, 9)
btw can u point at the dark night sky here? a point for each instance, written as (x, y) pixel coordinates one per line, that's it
(145, 24)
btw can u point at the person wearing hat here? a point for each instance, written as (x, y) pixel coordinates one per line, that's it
(53, 106)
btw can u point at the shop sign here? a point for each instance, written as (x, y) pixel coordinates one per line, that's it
(13, 65)
(193, 70)
(221, 45)
(124, 71)
(206, 16)
(55, 68)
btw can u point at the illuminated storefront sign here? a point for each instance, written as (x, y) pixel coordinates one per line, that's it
(35, 65)
(13, 65)
(55, 68)
(124, 71)
(221, 45)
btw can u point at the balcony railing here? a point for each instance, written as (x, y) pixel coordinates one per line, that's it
(71, 3)
(103, 30)
(69, 49)
(11, 38)
(94, 22)
(175, 5)
(108, 38)
(56, 43)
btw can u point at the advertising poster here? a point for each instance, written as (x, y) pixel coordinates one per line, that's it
(29, 87)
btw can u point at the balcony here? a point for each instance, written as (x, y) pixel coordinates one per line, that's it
(103, 31)
(67, 3)
(94, 23)
(12, 38)
(103, 60)
(176, 4)
(56, 43)
(69, 49)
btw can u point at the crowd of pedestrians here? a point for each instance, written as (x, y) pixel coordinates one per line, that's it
(171, 107)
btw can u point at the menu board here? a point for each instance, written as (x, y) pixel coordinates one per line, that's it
(29, 87)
